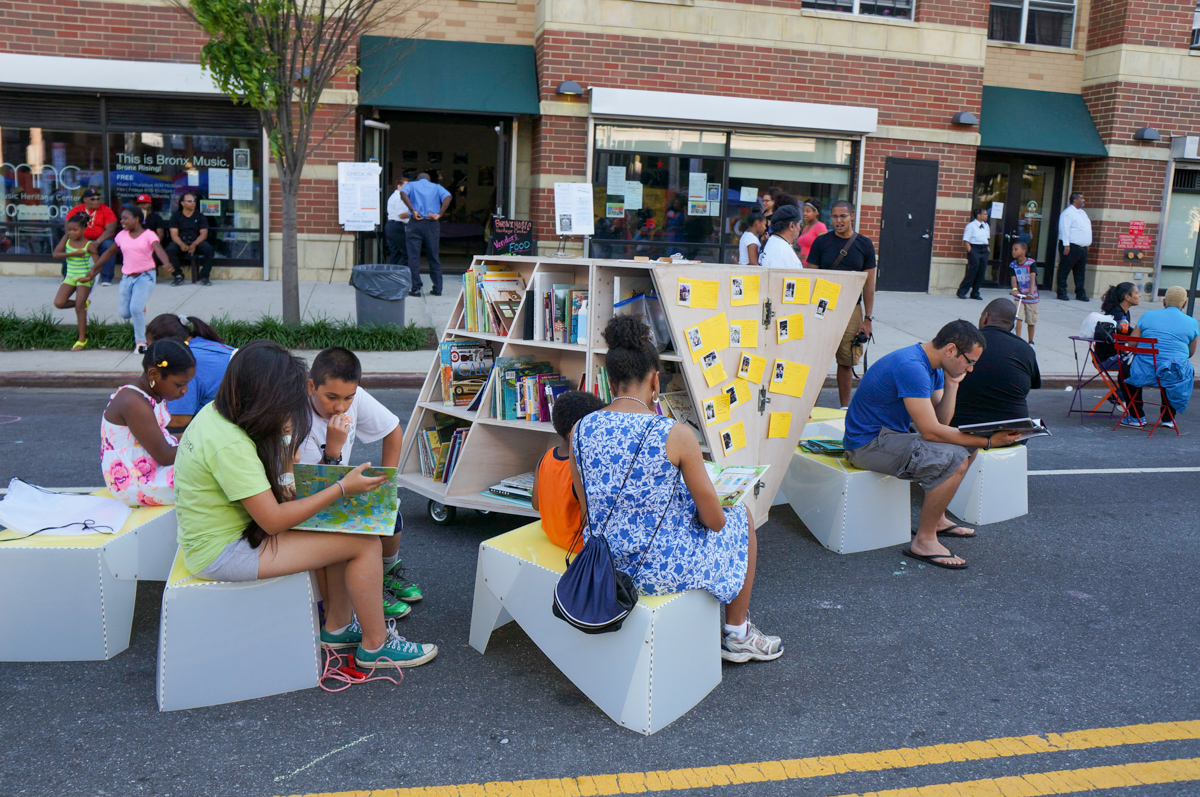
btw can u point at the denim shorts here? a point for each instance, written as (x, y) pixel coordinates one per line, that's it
(236, 562)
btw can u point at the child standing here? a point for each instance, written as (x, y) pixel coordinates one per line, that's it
(137, 454)
(78, 252)
(342, 412)
(1024, 285)
(748, 245)
(552, 479)
(138, 247)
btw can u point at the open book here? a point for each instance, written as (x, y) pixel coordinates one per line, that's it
(1028, 427)
(372, 512)
(734, 482)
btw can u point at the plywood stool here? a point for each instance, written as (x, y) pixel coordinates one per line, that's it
(995, 488)
(209, 629)
(663, 661)
(70, 597)
(848, 510)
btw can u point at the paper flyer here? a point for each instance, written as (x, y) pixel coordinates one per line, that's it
(796, 290)
(716, 409)
(790, 327)
(751, 367)
(748, 194)
(828, 291)
(780, 424)
(614, 210)
(711, 334)
(748, 333)
(738, 393)
(633, 195)
(743, 290)
(698, 186)
(218, 184)
(733, 438)
(697, 207)
(243, 184)
(788, 378)
(616, 180)
(714, 371)
(698, 294)
(573, 209)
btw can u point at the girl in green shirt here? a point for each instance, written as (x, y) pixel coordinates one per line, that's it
(236, 521)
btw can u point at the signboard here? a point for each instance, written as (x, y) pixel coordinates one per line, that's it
(1132, 241)
(511, 237)
(358, 195)
(573, 209)
(1137, 228)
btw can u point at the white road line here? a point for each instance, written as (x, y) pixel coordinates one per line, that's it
(1109, 471)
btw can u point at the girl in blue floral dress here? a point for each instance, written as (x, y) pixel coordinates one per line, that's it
(634, 468)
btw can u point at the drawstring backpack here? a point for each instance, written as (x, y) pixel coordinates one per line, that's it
(592, 595)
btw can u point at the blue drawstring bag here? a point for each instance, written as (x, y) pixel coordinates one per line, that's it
(592, 595)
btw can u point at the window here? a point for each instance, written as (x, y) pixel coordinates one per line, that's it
(1047, 22)
(1196, 29)
(900, 9)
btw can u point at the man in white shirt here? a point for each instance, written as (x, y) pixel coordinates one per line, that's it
(397, 224)
(1075, 236)
(975, 238)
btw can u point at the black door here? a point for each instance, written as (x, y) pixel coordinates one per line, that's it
(906, 229)
(1022, 194)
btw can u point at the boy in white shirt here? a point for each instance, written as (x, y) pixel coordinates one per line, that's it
(343, 412)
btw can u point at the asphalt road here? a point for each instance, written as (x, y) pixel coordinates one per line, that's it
(1080, 615)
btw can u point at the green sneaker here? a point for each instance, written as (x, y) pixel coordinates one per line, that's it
(397, 652)
(394, 607)
(394, 579)
(348, 638)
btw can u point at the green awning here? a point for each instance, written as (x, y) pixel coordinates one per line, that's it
(1045, 122)
(439, 75)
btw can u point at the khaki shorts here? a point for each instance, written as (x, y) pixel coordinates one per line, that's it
(848, 354)
(910, 457)
(1028, 313)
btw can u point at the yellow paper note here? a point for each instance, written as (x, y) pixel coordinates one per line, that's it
(796, 290)
(714, 374)
(716, 409)
(743, 290)
(710, 335)
(747, 334)
(780, 424)
(788, 378)
(733, 438)
(790, 327)
(751, 367)
(828, 291)
(699, 294)
(738, 393)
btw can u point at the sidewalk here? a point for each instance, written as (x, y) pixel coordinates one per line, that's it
(901, 319)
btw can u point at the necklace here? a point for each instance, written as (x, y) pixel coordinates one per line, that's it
(631, 398)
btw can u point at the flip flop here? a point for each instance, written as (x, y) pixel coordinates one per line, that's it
(932, 559)
(946, 533)
(79, 344)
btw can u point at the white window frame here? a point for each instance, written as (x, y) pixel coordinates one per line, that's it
(1025, 24)
(854, 11)
(1195, 45)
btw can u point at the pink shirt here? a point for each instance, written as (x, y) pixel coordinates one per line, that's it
(806, 240)
(137, 253)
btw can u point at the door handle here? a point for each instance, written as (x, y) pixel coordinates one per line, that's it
(926, 235)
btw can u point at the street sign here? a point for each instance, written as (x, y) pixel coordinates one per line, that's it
(1137, 228)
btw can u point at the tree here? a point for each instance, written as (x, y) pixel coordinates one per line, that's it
(278, 57)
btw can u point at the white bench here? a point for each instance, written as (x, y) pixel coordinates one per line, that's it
(661, 663)
(220, 642)
(848, 510)
(995, 488)
(70, 597)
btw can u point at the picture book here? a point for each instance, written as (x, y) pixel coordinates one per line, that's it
(465, 367)
(734, 482)
(372, 512)
(1028, 427)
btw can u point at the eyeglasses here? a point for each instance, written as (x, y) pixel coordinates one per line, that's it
(841, 216)
(970, 362)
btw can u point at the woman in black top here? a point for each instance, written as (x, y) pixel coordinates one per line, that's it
(1117, 302)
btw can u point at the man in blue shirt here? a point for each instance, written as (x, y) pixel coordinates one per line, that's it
(918, 385)
(427, 201)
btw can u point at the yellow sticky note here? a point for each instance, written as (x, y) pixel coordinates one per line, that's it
(738, 393)
(733, 438)
(743, 290)
(780, 424)
(716, 409)
(710, 335)
(751, 367)
(700, 294)
(828, 291)
(714, 373)
(788, 378)
(746, 334)
(790, 327)
(796, 290)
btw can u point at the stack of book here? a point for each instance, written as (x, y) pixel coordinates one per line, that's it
(517, 489)
(465, 368)
(560, 308)
(601, 386)
(491, 299)
(526, 390)
(437, 443)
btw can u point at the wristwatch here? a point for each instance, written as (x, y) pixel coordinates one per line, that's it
(868, 318)
(328, 460)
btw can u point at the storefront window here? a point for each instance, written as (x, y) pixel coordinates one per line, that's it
(42, 174)
(1046, 22)
(900, 9)
(1182, 230)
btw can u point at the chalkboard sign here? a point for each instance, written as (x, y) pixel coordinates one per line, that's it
(512, 237)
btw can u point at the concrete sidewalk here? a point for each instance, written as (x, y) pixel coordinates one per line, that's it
(901, 319)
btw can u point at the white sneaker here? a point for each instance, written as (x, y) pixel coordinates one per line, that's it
(755, 646)
(1168, 424)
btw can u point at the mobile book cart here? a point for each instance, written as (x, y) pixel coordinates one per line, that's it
(789, 323)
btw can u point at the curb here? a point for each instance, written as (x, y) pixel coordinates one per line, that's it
(114, 379)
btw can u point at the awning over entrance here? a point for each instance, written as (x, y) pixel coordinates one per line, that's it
(448, 76)
(1045, 122)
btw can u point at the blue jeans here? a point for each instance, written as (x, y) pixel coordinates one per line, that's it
(135, 292)
(109, 268)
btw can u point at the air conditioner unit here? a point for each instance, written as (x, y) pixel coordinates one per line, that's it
(1185, 148)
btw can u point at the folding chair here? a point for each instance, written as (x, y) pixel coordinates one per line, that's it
(1111, 381)
(1127, 344)
(1083, 380)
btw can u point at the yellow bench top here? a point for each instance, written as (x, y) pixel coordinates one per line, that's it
(139, 517)
(826, 414)
(181, 576)
(532, 545)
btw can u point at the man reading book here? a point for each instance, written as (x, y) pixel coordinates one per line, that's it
(918, 385)
(997, 388)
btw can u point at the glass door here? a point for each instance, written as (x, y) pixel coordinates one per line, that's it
(1023, 195)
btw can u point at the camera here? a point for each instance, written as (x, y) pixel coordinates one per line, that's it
(860, 339)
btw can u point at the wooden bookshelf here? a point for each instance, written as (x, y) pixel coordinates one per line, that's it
(495, 448)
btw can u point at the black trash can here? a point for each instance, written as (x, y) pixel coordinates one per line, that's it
(380, 290)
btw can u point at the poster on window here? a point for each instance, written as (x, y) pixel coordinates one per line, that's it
(243, 184)
(218, 184)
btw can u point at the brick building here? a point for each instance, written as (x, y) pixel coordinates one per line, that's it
(917, 110)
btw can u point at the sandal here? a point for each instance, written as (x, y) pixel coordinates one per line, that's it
(79, 344)
(933, 559)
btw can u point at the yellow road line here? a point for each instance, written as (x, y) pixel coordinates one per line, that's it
(1064, 781)
(798, 768)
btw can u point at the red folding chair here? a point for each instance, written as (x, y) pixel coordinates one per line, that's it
(1148, 347)
(1110, 382)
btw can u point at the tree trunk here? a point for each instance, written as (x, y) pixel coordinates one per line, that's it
(289, 188)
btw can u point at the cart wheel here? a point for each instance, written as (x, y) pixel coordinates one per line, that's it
(441, 514)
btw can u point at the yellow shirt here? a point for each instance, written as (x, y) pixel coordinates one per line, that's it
(216, 466)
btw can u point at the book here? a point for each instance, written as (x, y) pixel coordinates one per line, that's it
(543, 302)
(465, 367)
(823, 445)
(372, 512)
(678, 405)
(734, 482)
(1028, 427)
(523, 481)
(562, 311)
(578, 304)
